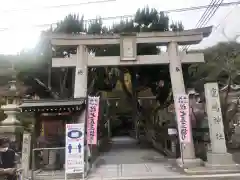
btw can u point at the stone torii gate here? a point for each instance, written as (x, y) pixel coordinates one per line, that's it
(128, 57)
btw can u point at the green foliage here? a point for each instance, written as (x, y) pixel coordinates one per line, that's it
(222, 66)
(177, 26)
(222, 63)
(71, 24)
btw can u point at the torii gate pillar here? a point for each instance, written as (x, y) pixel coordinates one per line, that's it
(178, 87)
(81, 77)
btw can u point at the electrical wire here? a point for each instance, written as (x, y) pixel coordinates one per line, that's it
(131, 16)
(211, 12)
(222, 21)
(54, 7)
(203, 19)
(200, 21)
(205, 12)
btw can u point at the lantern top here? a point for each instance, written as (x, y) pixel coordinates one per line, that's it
(13, 89)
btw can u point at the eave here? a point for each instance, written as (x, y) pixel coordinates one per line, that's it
(52, 105)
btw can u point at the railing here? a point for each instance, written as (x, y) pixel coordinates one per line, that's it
(47, 160)
(166, 143)
(169, 144)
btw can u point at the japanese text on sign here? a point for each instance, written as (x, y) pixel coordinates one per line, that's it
(220, 136)
(92, 119)
(182, 112)
(217, 118)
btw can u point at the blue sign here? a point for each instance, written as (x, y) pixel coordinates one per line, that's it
(75, 134)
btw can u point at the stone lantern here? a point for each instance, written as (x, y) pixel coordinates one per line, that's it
(11, 93)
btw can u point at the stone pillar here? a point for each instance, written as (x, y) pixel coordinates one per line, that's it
(81, 74)
(26, 152)
(80, 87)
(178, 87)
(218, 155)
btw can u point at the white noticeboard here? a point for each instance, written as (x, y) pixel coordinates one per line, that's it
(74, 159)
(172, 131)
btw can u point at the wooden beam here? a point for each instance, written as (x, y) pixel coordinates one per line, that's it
(97, 61)
(187, 37)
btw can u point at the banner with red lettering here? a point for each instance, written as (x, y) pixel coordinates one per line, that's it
(183, 118)
(92, 119)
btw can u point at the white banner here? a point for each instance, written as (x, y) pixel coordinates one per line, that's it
(183, 118)
(92, 119)
(74, 159)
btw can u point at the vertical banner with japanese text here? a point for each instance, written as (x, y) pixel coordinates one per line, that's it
(92, 119)
(183, 118)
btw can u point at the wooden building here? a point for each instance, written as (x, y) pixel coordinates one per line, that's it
(49, 128)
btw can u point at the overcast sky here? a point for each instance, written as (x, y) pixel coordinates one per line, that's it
(21, 34)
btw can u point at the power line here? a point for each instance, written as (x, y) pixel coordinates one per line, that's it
(212, 13)
(223, 20)
(131, 16)
(58, 6)
(202, 7)
(208, 17)
(205, 12)
(202, 19)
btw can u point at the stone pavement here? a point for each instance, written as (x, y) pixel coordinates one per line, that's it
(127, 160)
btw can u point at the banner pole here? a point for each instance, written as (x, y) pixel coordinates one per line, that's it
(86, 129)
(182, 158)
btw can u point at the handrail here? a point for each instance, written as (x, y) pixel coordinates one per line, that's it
(56, 148)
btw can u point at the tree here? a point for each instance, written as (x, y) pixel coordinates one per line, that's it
(222, 66)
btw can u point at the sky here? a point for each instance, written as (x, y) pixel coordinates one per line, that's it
(18, 28)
